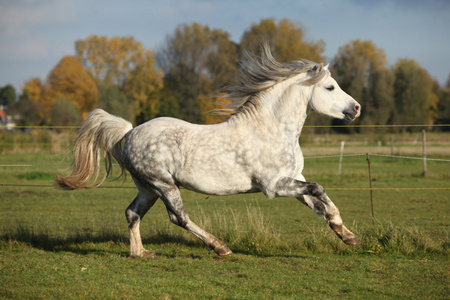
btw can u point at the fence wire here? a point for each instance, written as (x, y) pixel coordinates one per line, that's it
(305, 126)
(306, 157)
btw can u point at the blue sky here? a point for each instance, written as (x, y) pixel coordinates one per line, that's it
(35, 35)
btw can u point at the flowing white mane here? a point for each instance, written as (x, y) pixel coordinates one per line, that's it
(257, 74)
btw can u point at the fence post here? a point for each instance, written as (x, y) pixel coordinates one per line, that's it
(340, 160)
(424, 152)
(370, 185)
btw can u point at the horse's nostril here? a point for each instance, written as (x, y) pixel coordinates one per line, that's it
(357, 107)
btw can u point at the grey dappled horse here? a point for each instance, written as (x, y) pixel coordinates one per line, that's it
(255, 150)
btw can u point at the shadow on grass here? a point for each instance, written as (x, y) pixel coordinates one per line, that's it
(101, 243)
(108, 241)
(384, 239)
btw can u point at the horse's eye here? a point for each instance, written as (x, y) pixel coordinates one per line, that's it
(330, 88)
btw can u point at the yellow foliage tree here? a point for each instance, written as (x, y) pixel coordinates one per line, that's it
(34, 89)
(287, 40)
(39, 94)
(68, 80)
(125, 63)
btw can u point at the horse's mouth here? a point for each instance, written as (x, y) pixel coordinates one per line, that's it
(352, 112)
(349, 116)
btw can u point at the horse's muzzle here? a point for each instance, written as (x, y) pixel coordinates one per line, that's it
(352, 112)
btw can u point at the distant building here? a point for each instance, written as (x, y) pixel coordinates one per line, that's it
(3, 116)
(6, 121)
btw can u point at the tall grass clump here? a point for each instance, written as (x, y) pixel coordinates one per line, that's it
(411, 240)
(249, 232)
(385, 238)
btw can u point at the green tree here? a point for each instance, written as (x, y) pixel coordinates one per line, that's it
(444, 107)
(64, 113)
(361, 70)
(169, 106)
(414, 95)
(115, 102)
(196, 61)
(28, 110)
(286, 39)
(7, 95)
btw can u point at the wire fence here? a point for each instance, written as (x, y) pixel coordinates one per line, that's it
(305, 126)
(306, 157)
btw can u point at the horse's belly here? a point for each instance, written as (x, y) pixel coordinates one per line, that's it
(214, 183)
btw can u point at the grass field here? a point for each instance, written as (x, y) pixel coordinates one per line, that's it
(57, 244)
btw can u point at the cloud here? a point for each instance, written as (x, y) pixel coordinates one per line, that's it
(33, 48)
(25, 50)
(20, 18)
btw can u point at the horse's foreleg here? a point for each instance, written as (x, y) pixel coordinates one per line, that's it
(178, 216)
(328, 211)
(134, 213)
(313, 195)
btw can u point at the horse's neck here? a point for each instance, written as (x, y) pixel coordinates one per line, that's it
(285, 106)
(281, 109)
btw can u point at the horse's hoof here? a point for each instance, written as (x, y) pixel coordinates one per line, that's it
(352, 241)
(145, 253)
(148, 254)
(223, 251)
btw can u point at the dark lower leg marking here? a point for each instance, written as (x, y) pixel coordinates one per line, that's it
(345, 235)
(134, 214)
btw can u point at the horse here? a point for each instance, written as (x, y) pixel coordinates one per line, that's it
(255, 150)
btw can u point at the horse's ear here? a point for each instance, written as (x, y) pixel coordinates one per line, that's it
(326, 67)
(316, 69)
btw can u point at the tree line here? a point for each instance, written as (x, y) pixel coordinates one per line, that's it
(180, 78)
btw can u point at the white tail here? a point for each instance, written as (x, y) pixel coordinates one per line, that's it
(99, 132)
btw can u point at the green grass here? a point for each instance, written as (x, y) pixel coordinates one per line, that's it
(57, 244)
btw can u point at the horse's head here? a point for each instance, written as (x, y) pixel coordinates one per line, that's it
(329, 99)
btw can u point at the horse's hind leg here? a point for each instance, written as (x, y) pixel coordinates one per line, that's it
(134, 213)
(170, 194)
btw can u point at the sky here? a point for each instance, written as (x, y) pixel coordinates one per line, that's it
(35, 35)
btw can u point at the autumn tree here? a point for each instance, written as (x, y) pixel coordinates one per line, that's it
(7, 95)
(286, 39)
(360, 68)
(125, 63)
(414, 96)
(38, 93)
(197, 61)
(68, 80)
